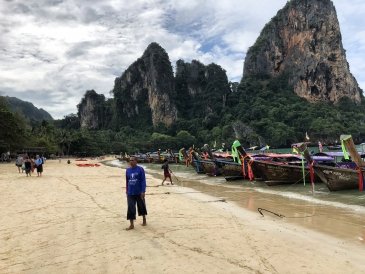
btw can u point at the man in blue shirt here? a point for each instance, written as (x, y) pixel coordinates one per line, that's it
(39, 164)
(135, 189)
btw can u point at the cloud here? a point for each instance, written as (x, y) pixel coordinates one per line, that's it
(52, 51)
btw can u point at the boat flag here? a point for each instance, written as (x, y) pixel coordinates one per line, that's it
(306, 136)
(235, 154)
(345, 153)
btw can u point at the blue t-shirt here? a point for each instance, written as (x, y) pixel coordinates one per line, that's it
(38, 162)
(135, 180)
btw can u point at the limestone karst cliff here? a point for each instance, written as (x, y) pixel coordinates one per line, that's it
(92, 111)
(143, 94)
(201, 90)
(304, 42)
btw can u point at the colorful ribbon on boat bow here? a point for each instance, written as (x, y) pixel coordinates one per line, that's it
(247, 162)
(249, 170)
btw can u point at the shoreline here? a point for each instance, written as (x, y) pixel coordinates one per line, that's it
(73, 218)
(331, 218)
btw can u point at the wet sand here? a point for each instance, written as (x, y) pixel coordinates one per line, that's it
(338, 219)
(72, 220)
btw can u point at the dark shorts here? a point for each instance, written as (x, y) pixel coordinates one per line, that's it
(40, 168)
(167, 175)
(141, 206)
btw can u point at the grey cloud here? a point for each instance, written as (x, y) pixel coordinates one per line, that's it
(81, 48)
(65, 17)
(114, 36)
(90, 15)
(54, 2)
(21, 8)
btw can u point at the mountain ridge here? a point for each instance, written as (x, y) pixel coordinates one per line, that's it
(27, 109)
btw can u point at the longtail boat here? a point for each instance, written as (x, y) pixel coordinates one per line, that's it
(336, 147)
(336, 178)
(237, 171)
(240, 168)
(159, 157)
(345, 175)
(279, 173)
(210, 165)
(286, 169)
(232, 171)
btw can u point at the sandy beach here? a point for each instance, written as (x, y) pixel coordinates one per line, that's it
(73, 220)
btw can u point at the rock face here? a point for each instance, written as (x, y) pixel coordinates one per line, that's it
(143, 93)
(303, 41)
(201, 90)
(91, 110)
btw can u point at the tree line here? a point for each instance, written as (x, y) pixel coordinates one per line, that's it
(259, 111)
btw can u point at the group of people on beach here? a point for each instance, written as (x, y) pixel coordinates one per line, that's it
(29, 164)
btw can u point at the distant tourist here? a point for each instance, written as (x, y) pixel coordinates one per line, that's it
(39, 165)
(32, 163)
(190, 156)
(19, 163)
(27, 166)
(320, 147)
(135, 190)
(166, 171)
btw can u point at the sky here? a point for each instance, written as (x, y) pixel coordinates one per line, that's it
(53, 51)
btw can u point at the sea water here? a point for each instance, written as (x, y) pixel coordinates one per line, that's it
(340, 213)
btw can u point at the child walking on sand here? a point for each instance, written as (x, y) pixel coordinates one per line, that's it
(166, 171)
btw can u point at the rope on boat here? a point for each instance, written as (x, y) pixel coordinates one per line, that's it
(280, 215)
(301, 179)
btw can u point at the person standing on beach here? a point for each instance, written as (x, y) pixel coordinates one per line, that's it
(19, 163)
(135, 190)
(39, 165)
(32, 164)
(166, 171)
(27, 166)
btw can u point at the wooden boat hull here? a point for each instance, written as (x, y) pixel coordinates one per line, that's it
(211, 167)
(233, 171)
(338, 178)
(279, 174)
